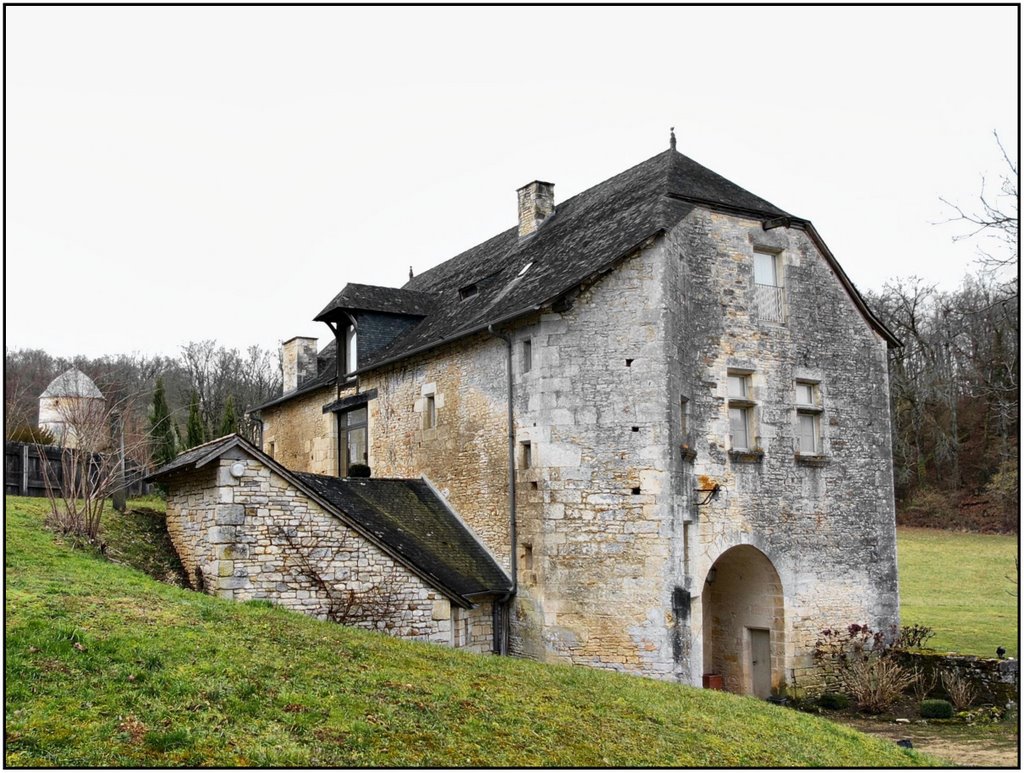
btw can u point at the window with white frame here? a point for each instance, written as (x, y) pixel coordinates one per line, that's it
(768, 301)
(741, 411)
(351, 355)
(808, 418)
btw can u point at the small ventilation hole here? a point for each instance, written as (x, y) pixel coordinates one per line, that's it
(533, 484)
(636, 429)
(629, 362)
(636, 489)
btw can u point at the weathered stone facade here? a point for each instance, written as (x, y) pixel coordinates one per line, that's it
(255, 536)
(666, 525)
(299, 435)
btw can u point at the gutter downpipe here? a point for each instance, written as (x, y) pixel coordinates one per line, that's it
(506, 600)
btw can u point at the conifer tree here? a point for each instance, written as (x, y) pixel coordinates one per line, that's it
(195, 432)
(162, 427)
(229, 422)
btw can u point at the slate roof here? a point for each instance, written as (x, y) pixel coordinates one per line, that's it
(373, 298)
(586, 235)
(411, 519)
(72, 383)
(193, 456)
(406, 516)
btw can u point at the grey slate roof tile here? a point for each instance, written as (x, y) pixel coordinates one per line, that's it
(406, 515)
(413, 521)
(586, 234)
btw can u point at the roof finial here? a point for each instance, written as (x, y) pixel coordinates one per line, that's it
(672, 138)
(410, 272)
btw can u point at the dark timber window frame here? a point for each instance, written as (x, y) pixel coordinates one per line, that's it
(350, 423)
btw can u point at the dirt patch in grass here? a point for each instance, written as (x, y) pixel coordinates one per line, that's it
(985, 746)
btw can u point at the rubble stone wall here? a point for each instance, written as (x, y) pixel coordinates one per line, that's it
(258, 537)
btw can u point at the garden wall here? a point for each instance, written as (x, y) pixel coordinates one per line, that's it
(996, 681)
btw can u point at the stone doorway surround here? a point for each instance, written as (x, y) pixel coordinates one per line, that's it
(743, 595)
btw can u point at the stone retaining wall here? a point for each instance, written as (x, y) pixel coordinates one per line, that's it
(996, 681)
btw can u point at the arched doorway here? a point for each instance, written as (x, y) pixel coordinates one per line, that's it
(744, 630)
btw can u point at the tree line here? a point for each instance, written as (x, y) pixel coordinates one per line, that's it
(955, 383)
(166, 404)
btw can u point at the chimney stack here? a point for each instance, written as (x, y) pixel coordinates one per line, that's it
(536, 204)
(298, 362)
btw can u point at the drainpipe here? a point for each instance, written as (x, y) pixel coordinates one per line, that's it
(507, 599)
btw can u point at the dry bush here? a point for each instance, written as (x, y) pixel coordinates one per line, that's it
(860, 661)
(961, 693)
(876, 683)
(923, 685)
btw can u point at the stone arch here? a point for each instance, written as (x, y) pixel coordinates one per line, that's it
(743, 610)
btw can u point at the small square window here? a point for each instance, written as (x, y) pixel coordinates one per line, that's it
(738, 386)
(806, 393)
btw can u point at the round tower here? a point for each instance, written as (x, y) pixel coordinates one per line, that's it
(73, 409)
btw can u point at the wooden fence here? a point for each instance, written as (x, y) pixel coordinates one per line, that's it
(23, 470)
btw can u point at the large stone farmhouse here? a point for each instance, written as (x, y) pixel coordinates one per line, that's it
(644, 429)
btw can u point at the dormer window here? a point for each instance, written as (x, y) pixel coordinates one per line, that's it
(351, 353)
(468, 291)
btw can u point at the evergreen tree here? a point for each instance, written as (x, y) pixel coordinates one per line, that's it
(229, 422)
(195, 432)
(161, 427)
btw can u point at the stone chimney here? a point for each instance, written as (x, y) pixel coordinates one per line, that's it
(536, 204)
(298, 362)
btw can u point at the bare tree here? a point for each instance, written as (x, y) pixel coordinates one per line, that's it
(90, 468)
(995, 219)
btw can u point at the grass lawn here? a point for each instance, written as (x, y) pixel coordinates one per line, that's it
(956, 583)
(105, 666)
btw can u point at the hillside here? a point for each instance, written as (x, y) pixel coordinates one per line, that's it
(105, 666)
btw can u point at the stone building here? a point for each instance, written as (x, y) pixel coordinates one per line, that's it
(662, 407)
(72, 405)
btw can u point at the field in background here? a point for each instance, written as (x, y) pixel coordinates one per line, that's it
(957, 584)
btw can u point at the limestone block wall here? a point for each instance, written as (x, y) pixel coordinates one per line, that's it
(300, 436)
(465, 453)
(595, 507)
(256, 537)
(826, 524)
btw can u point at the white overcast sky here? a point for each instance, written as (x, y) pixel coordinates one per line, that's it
(181, 173)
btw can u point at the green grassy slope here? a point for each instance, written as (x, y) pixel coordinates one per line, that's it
(105, 666)
(956, 583)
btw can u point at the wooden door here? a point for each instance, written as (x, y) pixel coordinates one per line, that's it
(760, 662)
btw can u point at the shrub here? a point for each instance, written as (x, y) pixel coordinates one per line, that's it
(960, 691)
(936, 709)
(923, 684)
(834, 700)
(35, 435)
(913, 636)
(861, 662)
